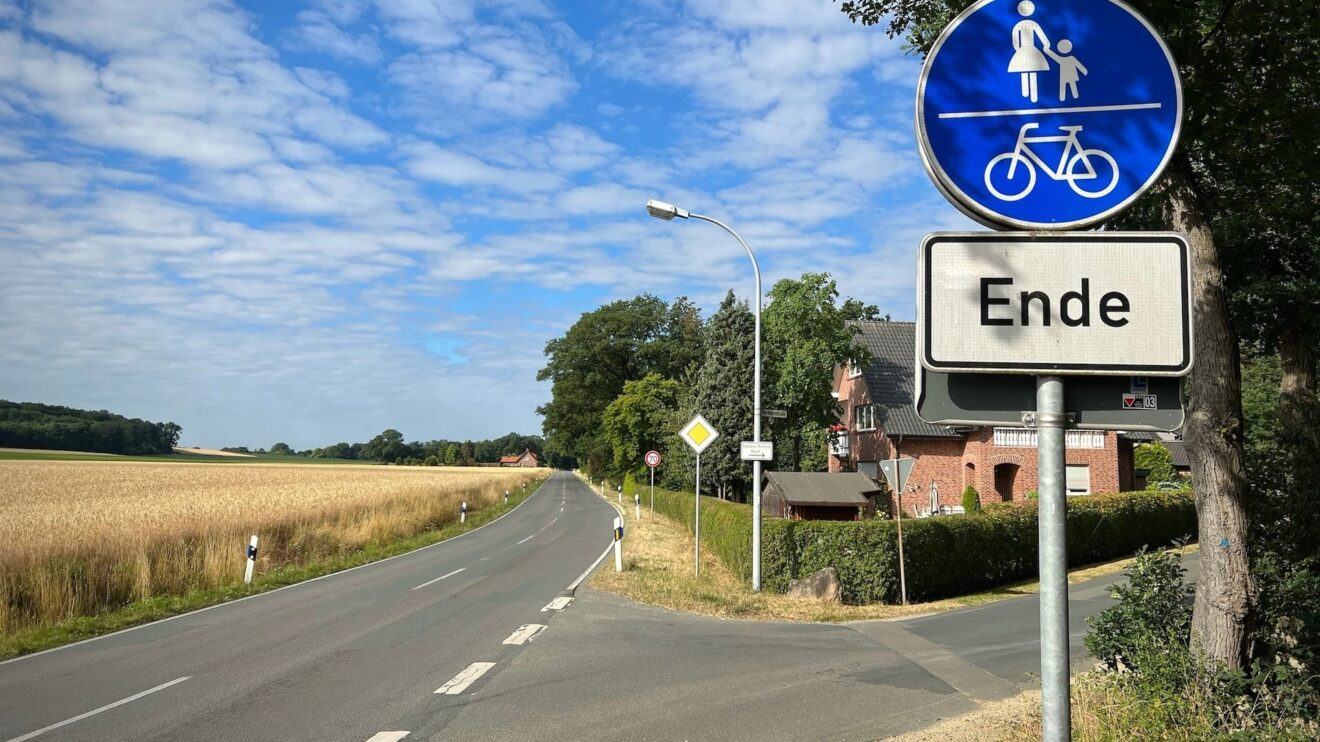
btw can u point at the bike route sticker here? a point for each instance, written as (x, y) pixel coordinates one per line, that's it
(1054, 114)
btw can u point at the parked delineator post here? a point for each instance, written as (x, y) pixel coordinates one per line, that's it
(1056, 712)
(618, 544)
(506, 497)
(637, 502)
(462, 512)
(251, 560)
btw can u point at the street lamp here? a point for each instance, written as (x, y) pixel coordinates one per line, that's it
(667, 211)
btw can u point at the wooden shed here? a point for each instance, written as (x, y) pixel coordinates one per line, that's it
(818, 495)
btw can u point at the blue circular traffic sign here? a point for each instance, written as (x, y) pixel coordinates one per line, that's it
(1054, 114)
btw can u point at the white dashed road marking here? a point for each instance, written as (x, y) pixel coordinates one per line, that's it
(441, 577)
(558, 604)
(461, 681)
(96, 711)
(388, 736)
(524, 634)
(529, 538)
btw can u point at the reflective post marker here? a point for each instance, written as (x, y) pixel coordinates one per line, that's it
(619, 491)
(1056, 711)
(637, 502)
(251, 560)
(506, 497)
(618, 544)
(462, 512)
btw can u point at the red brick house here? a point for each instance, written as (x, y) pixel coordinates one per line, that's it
(526, 459)
(880, 422)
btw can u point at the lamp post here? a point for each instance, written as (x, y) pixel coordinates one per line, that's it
(667, 211)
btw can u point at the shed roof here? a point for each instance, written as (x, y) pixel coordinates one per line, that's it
(890, 377)
(1178, 451)
(820, 488)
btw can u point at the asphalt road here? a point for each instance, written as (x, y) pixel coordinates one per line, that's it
(435, 645)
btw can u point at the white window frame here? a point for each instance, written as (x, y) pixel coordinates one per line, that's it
(857, 418)
(1076, 491)
(854, 370)
(1029, 438)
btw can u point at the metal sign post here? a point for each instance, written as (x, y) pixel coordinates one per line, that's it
(1049, 118)
(653, 460)
(698, 434)
(896, 472)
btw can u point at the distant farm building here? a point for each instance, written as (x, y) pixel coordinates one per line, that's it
(526, 459)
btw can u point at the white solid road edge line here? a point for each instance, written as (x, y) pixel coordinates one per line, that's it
(432, 582)
(20, 658)
(594, 565)
(388, 736)
(524, 634)
(461, 681)
(96, 711)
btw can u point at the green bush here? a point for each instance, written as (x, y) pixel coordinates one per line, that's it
(1154, 609)
(971, 500)
(1158, 463)
(1002, 542)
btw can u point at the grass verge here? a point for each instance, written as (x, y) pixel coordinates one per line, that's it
(658, 570)
(25, 641)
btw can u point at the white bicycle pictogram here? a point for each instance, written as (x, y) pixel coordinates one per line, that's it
(1074, 157)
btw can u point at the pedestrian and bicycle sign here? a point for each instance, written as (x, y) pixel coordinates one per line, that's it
(1047, 115)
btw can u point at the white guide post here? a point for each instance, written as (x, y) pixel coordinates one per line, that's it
(462, 513)
(251, 560)
(618, 544)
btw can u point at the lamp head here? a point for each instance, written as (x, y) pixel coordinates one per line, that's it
(666, 211)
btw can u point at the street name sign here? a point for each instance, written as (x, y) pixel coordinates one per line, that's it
(780, 414)
(699, 434)
(757, 450)
(1047, 115)
(1106, 303)
(1091, 402)
(653, 459)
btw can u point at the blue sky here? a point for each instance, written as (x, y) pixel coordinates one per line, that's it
(311, 221)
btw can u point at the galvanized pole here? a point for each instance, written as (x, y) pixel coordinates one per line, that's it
(756, 401)
(653, 493)
(902, 575)
(1056, 708)
(696, 523)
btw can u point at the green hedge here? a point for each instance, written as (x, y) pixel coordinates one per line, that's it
(945, 556)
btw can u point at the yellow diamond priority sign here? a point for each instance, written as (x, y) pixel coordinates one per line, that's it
(699, 433)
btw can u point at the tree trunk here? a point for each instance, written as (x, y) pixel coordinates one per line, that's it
(797, 450)
(1225, 592)
(1297, 397)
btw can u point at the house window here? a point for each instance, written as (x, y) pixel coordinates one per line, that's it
(854, 370)
(1028, 437)
(864, 417)
(1077, 479)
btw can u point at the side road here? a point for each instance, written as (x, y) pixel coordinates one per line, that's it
(621, 670)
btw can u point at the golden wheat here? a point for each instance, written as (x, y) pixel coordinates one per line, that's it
(78, 537)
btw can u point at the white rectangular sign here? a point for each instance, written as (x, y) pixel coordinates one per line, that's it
(1113, 303)
(757, 451)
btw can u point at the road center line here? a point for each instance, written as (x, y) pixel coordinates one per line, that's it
(524, 634)
(529, 538)
(388, 736)
(94, 712)
(461, 681)
(547, 525)
(441, 577)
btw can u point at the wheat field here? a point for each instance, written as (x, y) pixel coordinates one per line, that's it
(81, 537)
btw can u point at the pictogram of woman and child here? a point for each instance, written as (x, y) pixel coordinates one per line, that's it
(1029, 61)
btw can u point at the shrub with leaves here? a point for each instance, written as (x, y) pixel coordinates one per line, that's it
(1154, 610)
(971, 500)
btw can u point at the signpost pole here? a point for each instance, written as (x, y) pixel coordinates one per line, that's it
(902, 576)
(1056, 711)
(653, 493)
(696, 523)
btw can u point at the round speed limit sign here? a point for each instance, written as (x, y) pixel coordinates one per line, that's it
(653, 459)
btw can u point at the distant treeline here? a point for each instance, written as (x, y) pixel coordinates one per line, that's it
(33, 425)
(389, 447)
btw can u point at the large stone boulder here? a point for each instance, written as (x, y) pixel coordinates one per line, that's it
(822, 585)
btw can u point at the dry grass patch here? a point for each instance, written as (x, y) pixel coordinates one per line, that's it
(658, 570)
(81, 537)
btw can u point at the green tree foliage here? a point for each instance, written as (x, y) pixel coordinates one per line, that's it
(387, 447)
(587, 367)
(638, 420)
(971, 500)
(281, 449)
(450, 456)
(806, 337)
(34, 425)
(1158, 463)
(723, 394)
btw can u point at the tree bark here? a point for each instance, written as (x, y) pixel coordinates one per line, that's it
(1225, 592)
(1297, 397)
